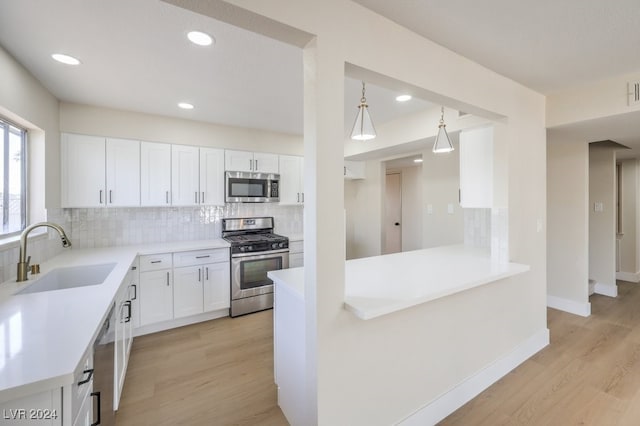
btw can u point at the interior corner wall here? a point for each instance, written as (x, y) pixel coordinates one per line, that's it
(602, 225)
(443, 218)
(24, 100)
(629, 203)
(363, 202)
(567, 222)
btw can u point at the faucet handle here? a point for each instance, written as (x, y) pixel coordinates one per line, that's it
(28, 261)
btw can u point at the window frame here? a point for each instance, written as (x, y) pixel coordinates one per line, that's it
(10, 128)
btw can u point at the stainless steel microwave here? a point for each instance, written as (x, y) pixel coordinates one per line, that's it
(249, 187)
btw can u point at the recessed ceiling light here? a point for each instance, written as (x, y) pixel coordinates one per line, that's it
(200, 38)
(185, 105)
(417, 160)
(65, 59)
(403, 98)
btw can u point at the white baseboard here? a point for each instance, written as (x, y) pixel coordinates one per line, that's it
(167, 325)
(571, 306)
(449, 402)
(610, 290)
(628, 276)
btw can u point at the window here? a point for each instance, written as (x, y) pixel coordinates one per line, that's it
(13, 198)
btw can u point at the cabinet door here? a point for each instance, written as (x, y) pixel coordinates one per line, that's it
(185, 175)
(123, 172)
(290, 179)
(265, 163)
(156, 296)
(216, 286)
(155, 174)
(476, 168)
(83, 171)
(212, 176)
(187, 291)
(238, 161)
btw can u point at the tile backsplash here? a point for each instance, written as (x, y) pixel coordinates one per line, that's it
(106, 227)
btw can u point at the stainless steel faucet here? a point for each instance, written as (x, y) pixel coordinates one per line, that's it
(23, 261)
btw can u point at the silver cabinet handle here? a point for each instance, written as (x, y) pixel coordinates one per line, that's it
(207, 269)
(256, 161)
(110, 197)
(196, 197)
(167, 279)
(303, 197)
(199, 274)
(167, 197)
(298, 197)
(156, 261)
(101, 196)
(250, 164)
(203, 256)
(202, 197)
(345, 170)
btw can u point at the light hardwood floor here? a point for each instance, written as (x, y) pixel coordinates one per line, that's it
(221, 373)
(214, 373)
(588, 375)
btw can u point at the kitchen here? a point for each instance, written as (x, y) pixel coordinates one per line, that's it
(323, 210)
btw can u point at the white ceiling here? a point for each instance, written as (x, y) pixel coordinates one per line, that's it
(135, 55)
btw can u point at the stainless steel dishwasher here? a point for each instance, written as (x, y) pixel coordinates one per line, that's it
(103, 371)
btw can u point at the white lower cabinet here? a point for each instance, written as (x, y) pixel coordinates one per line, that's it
(183, 284)
(187, 291)
(44, 408)
(123, 333)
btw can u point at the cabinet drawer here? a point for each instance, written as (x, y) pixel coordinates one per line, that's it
(296, 246)
(82, 382)
(154, 262)
(200, 257)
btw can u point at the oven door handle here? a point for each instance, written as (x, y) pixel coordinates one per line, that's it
(261, 254)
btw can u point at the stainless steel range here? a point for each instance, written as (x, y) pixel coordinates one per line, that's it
(255, 250)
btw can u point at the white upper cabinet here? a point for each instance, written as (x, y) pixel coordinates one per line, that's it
(185, 175)
(245, 161)
(100, 172)
(265, 163)
(476, 168)
(212, 176)
(123, 173)
(354, 170)
(155, 174)
(83, 171)
(291, 179)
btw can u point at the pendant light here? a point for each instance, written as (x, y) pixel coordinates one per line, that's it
(442, 143)
(363, 127)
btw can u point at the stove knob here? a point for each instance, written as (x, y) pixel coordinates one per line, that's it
(282, 245)
(274, 245)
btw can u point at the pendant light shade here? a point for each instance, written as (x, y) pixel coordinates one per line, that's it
(442, 143)
(363, 129)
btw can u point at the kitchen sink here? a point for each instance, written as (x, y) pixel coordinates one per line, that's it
(72, 277)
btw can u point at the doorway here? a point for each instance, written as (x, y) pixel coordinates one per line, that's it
(393, 213)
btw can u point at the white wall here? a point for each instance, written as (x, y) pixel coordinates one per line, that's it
(602, 224)
(568, 219)
(441, 182)
(410, 358)
(363, 203)
(412, 213)
(629, 253)
(91, 120)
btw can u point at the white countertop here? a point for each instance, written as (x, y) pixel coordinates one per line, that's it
(380, 285)
(44, 335)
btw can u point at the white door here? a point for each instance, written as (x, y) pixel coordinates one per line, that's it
(290, 179)
(393, 213)
(185, 175)
(156, 296)
(216, 286)
(123, 172)
(212, 176)
(155, 174)
(265, 163)
(238, 161)
(83, 171)
(187, 291)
